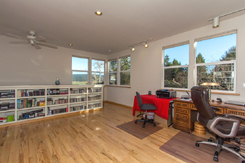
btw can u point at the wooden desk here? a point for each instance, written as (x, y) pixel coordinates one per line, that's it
(185, 115)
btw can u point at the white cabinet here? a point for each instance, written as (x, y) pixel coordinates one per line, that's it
(20, 103)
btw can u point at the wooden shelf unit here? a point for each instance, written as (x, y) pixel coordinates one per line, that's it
(20, 103)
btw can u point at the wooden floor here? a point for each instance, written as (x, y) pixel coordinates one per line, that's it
(89, 137)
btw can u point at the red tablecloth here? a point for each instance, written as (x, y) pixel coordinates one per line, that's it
(162, 104)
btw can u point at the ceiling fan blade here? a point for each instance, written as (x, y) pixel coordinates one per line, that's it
(19, 42)
(46, 44)
(40, 38)
(15, 36)
(36, 46)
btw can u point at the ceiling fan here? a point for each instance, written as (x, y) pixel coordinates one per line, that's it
(32, 39)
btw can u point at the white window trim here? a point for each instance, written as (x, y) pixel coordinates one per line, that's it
(233, 31)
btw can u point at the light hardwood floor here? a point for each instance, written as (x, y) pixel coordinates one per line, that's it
(89, 137)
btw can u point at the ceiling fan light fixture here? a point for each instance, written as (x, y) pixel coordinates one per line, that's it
(98, 13)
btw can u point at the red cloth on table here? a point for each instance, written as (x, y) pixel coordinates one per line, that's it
(162, 104)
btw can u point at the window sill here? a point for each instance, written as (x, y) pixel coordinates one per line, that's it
(221, 93)
(117, 86)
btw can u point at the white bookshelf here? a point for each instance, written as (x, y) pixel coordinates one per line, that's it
(22, 103)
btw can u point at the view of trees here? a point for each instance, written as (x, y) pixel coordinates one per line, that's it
(222, 73)
(98, 74)
(113, 76)
(125, 76)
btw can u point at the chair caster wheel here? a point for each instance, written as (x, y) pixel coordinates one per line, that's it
(154, 125)
(197, 144)
(143, 126)
(135, 122)
(210, 140)
(216, 159)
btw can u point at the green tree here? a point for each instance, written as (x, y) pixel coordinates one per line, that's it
(200, 59)
(230, 54)
(125, 65)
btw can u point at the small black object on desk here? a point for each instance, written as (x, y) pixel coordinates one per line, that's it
(149, 93)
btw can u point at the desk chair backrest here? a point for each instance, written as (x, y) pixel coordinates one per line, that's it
(199, 96)
(140, 103)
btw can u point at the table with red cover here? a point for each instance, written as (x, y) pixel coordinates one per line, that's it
(162, 104)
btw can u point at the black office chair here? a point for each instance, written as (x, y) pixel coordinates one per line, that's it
(225, 127)
(145, 108)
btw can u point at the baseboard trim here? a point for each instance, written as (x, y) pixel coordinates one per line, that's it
(47, 118)
(110, 102)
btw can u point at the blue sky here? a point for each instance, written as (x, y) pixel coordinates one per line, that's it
(211, 49)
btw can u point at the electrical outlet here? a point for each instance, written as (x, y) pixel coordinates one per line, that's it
(243, 85)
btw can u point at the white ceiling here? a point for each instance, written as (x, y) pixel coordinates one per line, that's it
(123, 22)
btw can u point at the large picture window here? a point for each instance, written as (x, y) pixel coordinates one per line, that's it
(215, 61)
(79, 70)
(125, 66)
(176, 61)
(98, 71)
(113, 72)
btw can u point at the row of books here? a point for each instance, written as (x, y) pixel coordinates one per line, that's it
(28, 92)
(7, 94)
(56, 111)
(7, 105)
(32, 114)
(77, 99)
(98, 97)
(73, 91)
(82, 107)
(57, 91)
(90, 90)
(27, 103)
(94, 105)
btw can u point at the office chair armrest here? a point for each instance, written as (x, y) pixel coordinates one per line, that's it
(214, 108)
(234, 117)
(212, 126)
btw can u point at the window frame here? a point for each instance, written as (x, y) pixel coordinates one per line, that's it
(119, 70)
(216, 63)
(176, 66)
(79, 70)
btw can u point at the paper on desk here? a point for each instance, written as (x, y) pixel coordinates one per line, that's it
(187, 99)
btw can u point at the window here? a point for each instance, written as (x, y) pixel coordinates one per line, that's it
(215, 61)
(79, 70)
(125, 64)
(113, 72)
(176, 61)
(98, 70)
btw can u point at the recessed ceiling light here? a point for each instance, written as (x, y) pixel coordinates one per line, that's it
(70, 44)
(99, 13)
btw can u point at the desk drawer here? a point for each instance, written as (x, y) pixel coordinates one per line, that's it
(183, 117)
(181, 123)
(181, 104)
(193, 107)
(235, 112)
(182, 110)
(221, 110)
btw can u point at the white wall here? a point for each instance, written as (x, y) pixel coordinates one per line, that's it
(146, 64)
(22, 64)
